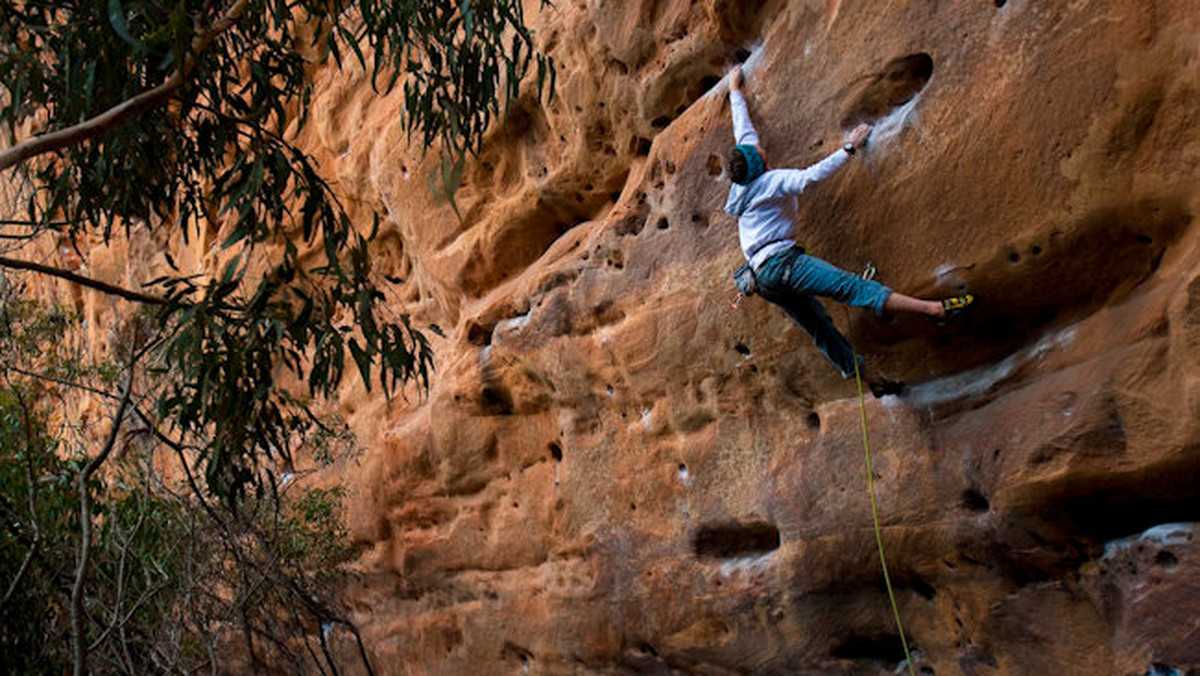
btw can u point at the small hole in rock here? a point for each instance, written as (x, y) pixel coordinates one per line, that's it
(714, 165)
(879, 647)
(814, 421)
(923, 588)
(556, 451)
(999, 3)
(742, 349)
(1036, 250)
(632, 507)
(479, 335)
(1014, 257)
(975, 501)
(733, 539)
(660, 122)
(741, 55)
(1145, 239)
(708, 82)
(1166, 560)
(639, 146)
(663, 223)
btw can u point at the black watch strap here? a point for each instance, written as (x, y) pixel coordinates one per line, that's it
(849, 148)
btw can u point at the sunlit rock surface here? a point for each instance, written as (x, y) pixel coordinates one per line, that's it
(615, 471)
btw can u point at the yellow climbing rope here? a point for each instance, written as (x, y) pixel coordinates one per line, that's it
(869, 273)
(862, 407)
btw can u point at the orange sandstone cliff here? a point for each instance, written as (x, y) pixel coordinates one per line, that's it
(615, 471)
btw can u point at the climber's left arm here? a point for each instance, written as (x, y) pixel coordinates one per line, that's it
(794, 181)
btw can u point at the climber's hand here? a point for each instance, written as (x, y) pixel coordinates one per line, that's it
(735, 79)
(858, 137)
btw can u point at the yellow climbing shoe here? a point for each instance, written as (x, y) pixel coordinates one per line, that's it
(955, 306)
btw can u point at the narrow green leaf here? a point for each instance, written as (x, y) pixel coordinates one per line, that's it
(364, 362)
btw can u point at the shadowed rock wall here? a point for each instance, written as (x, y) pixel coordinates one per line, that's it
(618, 472)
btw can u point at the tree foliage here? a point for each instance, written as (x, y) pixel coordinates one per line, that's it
(216, 89)
(175, 582)
(176, 118)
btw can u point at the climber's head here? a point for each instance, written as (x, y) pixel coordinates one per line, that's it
(745, 163)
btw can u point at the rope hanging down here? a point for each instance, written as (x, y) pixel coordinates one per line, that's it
(862, 407)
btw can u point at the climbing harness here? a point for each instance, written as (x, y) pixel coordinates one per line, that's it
(868, 274)
(743, 279)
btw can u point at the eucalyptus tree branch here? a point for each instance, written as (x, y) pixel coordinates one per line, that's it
(121, 112)
(33, 224)
(103, 287)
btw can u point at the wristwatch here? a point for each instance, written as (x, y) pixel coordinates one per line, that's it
(849, 148)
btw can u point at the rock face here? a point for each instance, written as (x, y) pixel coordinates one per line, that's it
(617, 472)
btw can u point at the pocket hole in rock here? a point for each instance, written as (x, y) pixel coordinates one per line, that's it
(1166, 560)
(714, 165)
(975, 501)
(814, 421)
(900, 81)
(881, 648)
(708, 82)
(732, 540)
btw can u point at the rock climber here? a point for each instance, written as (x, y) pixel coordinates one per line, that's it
(764, 202)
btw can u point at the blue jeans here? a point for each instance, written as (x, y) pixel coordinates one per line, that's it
(791, 279)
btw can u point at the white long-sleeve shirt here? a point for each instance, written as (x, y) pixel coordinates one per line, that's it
(766, 207)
